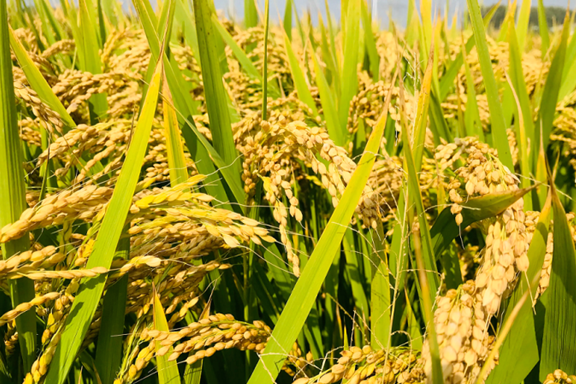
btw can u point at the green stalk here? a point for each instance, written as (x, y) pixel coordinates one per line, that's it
(13, 192)
(265, 74)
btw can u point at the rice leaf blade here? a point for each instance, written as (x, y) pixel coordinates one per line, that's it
(89, 45)
(306, 289)
(204, 155)
(349, 70)
(370, 42)
(445, 228)
(523, 23)
(265, 69)
(287, 24)
(298, 76)
(250, 14)
(552, 87)
(39, 83)
(328, 104)
(241, 56)
(558, 347)
(13, 193)
(216, 99)
(543, 28)
(90, 291)
(109, 345)
(167, 370)
(174, 147)
(498, 124)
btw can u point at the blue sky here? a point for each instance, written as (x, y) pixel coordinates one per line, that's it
(396, 8)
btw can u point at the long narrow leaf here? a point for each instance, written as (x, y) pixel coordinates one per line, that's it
(328, 105)
(86, 301)
(174, 147)
(552, 86)
(498, 124)
(91, 62)
(306, 289)
(298, 76)
(204, 154)
(167, 370)
(109, 345)
(349, 70)
(543, 28)
(445, 228)
(558, 347)
(216, 100)
(38, 82)
(13, 192)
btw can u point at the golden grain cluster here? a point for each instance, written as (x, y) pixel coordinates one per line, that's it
(196, 273)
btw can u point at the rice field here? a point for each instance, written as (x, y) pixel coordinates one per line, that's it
(189, 199)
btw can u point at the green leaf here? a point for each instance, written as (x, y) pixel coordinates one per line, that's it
(13, 192)
(475, 209)
(250, 14)
(88, 297)
(39, 83)
(298, 77)
(416, 199)
(447, 81)
(552, 86)
(167, 370)
(287, 24)
(523, 23)
(380, 300)
(193, 373)
(204, 154)
(240, 55)
(543, 28)
(109, 345)
(370, 42)
(558, 347)
(353, 269)
(216, 99)
(349, 68)
(308, 285)
(498, 124)
(184, 16)
(174, 147)
(328, 104)
(90, 58)
(472, 114)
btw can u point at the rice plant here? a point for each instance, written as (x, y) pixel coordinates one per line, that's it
(186, 198)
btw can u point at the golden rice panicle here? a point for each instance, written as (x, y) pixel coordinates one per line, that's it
(24, 307)
(368, 103)
(559, 376)
(41, 365)
(67, 205)
(462, 331)
(10, 339)
(505, 255)
(365, 365)
(198, 340)
(48, 118)
(386, 180)
(506, 251)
